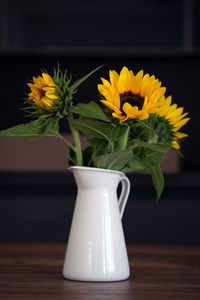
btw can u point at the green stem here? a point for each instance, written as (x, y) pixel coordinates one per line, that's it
(124, 139)
(111, 147)
(65, 140)
(77, 144)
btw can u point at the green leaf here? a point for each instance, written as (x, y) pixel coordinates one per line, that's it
(114, 161)
(28, 130)
(156, 157)
(157, 179)
(99, 129)
(148, 158)
(35, 129)
(91, 110)
(135, 164)
(156, 175)
(74, 86)
(99, 146)
(155, 147)
(51, 128)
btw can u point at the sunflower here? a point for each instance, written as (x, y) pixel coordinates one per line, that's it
(175, 117)
(43, 92)
(131, 96)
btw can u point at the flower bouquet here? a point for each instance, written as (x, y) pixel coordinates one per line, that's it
(130, 129)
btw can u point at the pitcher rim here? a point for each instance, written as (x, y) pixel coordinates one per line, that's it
(95, 169)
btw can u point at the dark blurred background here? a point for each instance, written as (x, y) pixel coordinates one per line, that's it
(37, 193)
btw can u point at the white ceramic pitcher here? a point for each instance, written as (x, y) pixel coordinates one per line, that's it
(96, 249)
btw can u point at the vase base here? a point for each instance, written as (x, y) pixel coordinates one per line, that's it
(96, 279)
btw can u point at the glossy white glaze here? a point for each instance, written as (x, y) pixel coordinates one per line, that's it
(96, 248)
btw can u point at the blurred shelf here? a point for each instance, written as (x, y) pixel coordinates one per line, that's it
(183, 184)
(39, 207)
(102, 52)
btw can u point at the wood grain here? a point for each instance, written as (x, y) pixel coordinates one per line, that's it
(34, 271)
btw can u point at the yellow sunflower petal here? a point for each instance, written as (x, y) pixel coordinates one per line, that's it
(116, 101)
(181, 135)
(104, 91)
(143, 115)
(47, 78)
(47, 102)
(111, 106)
(181, 124)
(139, 75)
(175, 145)
(124, 81)
(51, 96)
(106, 83)
(114, 79)
(175, 113)
(119, 116)
(130, 111)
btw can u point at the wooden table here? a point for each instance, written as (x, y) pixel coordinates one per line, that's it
(34, 271)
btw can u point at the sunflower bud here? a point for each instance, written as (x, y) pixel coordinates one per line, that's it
(43, 92)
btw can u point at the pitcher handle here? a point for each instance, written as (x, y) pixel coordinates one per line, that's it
(124, 194)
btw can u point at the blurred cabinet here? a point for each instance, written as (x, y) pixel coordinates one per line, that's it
(51, 26)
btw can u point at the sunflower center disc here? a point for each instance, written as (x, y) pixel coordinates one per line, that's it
(133, 99)
(42, 93)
